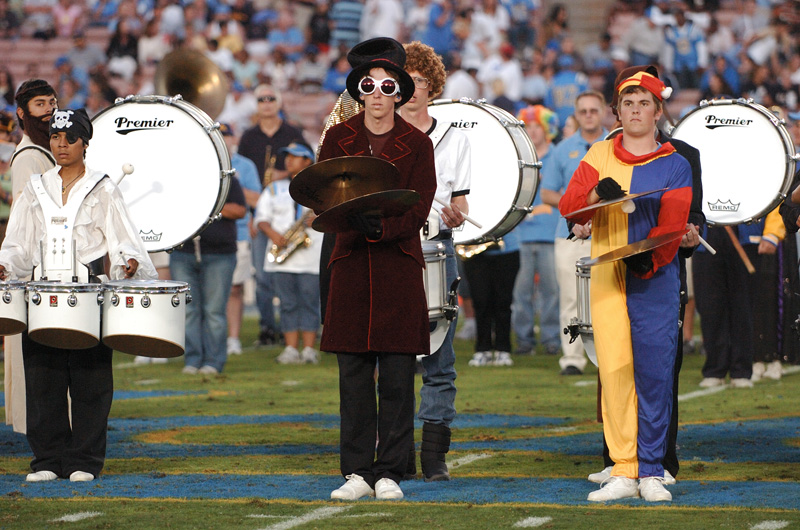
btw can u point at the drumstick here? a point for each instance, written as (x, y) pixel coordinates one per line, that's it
(127, 169)
(738, 246)
(708, 247)
(466, 217)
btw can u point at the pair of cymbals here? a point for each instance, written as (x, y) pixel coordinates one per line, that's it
(343, 186)
(638, 247)
(602, 204)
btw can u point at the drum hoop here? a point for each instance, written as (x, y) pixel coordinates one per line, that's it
(64, 287)
(212, 130)
(12, 284)
(127, 287)
(520, 206)
(783, 133)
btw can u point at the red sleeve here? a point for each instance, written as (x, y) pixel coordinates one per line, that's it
(672, 217)
(582, 183)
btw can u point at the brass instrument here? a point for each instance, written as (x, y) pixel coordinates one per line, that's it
(269, 167)
(195, 77)
(296, 238)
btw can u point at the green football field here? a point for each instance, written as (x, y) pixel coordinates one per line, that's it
(256, 448)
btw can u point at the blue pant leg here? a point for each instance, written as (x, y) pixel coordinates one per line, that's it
(547, 295)
(217, 273)
(264, 288)
(183, 267)
(438, 393)
(523, 310)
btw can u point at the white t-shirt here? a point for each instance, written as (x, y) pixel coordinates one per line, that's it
(453, 159)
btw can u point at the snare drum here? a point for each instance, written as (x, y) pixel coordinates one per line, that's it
(181, 165)
(505, 170)
(64, 314)
(747, 158)
(13, 309)
(144, 317)
(435, 278)
(583, 276)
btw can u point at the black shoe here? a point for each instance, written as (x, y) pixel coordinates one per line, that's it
(571, 370)
(266, 338)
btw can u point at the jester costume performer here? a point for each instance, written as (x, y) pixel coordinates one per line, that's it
(635, 314)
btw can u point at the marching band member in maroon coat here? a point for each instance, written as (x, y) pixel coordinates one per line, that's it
(377, 311)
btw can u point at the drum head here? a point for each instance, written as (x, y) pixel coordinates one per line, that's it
(180, 179)
(746, 158)
(500, 188)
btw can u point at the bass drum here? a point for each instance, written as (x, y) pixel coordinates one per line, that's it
(747, 158)
(505, 169)
(181, 166)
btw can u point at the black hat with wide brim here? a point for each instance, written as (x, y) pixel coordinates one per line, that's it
(381, 52)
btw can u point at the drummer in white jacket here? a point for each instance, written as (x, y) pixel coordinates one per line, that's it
(71, 203)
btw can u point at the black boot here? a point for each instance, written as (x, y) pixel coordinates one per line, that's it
(435, 444)
(411, 466)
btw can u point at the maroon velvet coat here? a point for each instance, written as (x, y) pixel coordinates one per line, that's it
(377, 300)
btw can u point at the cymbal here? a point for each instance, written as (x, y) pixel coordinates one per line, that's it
(638, 247)
(383, 203)
(601, 204)
(326, 184)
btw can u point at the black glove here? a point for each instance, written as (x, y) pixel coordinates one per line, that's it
(641, 263)
(369, 225)
(789, 212)
(608, 189)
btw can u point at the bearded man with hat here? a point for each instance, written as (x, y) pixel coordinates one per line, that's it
(69, 440)
(635, 302)
(376, 312)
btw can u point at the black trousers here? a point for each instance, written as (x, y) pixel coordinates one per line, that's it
(491, 283)
(391, 416)
(722, 295)
(765, 287)
(49, 374)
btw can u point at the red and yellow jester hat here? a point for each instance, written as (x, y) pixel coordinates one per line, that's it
(647, 81)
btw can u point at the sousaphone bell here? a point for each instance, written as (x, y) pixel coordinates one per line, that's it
(195, 77)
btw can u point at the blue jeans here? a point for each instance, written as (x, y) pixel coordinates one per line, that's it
(206, 321)
(533, 258)
(299, 296)
(438, 393)
(265, 291)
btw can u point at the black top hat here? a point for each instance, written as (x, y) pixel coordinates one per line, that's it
(381, 52)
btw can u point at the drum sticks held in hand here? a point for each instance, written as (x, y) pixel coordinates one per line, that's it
(466, 217)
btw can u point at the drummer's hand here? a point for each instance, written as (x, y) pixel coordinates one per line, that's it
(582, 231)
(132, 267)
(452, 216)
(767, 247)
(3, 273)
(691, 238)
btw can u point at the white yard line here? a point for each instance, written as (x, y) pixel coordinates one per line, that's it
(593, 382)
(146, 382)
(464, 460)
(310, 517)
(532, 522)
(75, 517)
(376, 514)
(770, 525)
(701, 393)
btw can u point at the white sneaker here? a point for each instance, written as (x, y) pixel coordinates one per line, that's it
(774, 370)
(41, 476)
(159, 360)
(208, 370)
(467, 331)
(710, 382)
(741, 382)
(81, 476)
(355, 488)
(669, 480)
(191, 370)
(139, 359)
(502, 358)
(758, 371)
(652, 489)
(387, 489)
(234, 346)
(309, 355)
(481, 358)
(601, 476)
(615, 488)
(289, 355)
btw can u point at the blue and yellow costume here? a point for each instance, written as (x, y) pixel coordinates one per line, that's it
(635, 318)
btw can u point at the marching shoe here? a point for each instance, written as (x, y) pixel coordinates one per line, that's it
(571, 370)
(758, 371)
(502, 358)
(139, 359)
(615, 488)
(601, 476)
(309, 355)
(774, 370)
(207, 370)
(289, 355)
(481, 358)
(81, 476)
(188, 369)
(159, 360)
(669, 480)
(741, 382)
(355, 488)
(234, 346)
(41, 476)
(387, 489)
(652, 489)
(710, 382)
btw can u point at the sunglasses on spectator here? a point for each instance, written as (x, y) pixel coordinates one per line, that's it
(269, 99)
(388, 87)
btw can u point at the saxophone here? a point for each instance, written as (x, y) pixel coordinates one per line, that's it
(296, 238)
(269, 167)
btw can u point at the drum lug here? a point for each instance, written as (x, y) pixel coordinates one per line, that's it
(36, 298)
(176, 300)
(7, 297)
(100, 298)
(226, 174)
(72, 300)
(115, 299)
(145, 301)
(536, 165)
(188, 297)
